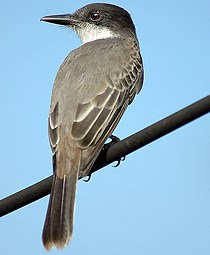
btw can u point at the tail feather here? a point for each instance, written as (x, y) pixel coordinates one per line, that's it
(58, 225)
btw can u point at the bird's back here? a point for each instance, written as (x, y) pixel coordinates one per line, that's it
(89, 70)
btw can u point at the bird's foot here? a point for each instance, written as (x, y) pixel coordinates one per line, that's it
(114, 139)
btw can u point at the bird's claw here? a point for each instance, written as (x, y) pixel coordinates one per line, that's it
(119, 160)
(88, 178)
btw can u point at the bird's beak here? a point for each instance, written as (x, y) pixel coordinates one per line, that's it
(65, 19)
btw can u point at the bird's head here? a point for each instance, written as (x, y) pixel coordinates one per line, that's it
(97, 21)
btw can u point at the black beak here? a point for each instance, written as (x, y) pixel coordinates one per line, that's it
(65, 19)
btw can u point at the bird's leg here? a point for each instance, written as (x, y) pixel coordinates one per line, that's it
(114, 139)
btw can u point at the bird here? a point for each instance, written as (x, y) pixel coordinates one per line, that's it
(93, 87)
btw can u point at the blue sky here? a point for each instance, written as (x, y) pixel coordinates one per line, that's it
(158, 200)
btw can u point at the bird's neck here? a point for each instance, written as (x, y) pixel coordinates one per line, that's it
(89, 34)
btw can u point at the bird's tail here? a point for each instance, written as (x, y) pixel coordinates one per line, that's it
(58, 225)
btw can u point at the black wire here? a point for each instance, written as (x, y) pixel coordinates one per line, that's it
(112, 153)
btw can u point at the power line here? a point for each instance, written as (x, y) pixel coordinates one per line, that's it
(112, 153)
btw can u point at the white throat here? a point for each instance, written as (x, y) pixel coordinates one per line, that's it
(92, 32)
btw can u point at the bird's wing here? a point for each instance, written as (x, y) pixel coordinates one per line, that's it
(96, 119)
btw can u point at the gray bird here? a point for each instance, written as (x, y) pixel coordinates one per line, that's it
(93, 87)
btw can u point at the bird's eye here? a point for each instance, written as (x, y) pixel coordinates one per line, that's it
(95, 16)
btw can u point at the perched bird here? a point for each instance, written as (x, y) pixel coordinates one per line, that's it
(93, 87)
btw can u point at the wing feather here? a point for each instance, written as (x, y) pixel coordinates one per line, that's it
(89, 155)
(53, 128)
(121, 86)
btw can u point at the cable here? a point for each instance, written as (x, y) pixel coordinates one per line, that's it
(113, 152)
